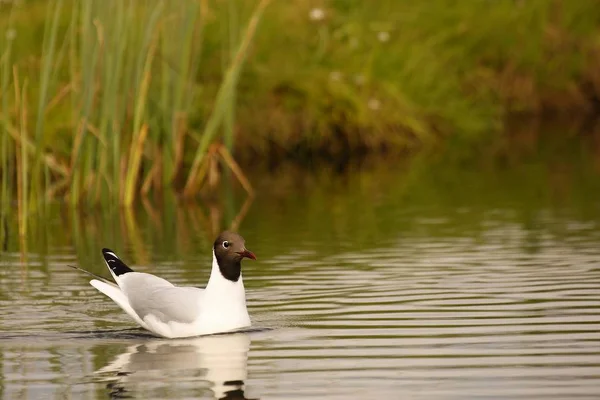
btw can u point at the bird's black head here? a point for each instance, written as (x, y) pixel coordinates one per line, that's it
(230, 248)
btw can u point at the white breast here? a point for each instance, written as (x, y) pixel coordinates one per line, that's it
(223, 305)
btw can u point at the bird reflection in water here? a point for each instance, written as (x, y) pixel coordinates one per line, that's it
(180, 368)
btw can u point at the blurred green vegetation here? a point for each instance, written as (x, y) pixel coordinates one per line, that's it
(544, 187)
(106, 100)
(401, 75)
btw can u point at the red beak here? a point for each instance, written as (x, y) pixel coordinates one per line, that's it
(247, 254)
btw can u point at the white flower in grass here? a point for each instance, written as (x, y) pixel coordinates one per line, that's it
(316, 14)
(335, 76)
(383, 36)
(11, 34)
(374, 104)
(359, 79)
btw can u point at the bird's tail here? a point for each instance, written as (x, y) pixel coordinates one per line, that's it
(101, 278)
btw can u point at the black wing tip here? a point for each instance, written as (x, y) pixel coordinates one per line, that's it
(115, 264)
(108, 254)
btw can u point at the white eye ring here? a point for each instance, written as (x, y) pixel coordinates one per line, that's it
(225, 244)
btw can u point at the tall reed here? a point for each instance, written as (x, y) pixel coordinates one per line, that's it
(6, 147)
(223, 103)
(121, 77)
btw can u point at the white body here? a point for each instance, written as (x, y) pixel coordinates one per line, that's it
(175, 311)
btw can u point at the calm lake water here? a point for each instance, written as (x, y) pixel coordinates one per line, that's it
(376, 283)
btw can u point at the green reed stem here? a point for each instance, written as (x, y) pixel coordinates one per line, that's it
(5, 149)
(140, 100)
(232, 41)
(24, 203)
(224, 95)
(48, 55)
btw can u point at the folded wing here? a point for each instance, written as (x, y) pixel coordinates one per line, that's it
(150, 295)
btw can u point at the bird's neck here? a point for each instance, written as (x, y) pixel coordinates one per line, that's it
(218, 282)
(225, 300)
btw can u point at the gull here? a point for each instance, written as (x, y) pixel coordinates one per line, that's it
(174, 311)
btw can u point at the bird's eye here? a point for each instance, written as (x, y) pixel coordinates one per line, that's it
(225, 244)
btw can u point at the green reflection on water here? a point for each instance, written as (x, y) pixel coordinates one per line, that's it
(301, 226)
(328, 211)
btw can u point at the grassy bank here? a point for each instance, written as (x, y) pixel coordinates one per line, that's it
(403, 75)
(109, 100)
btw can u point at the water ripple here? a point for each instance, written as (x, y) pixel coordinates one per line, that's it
(433, 317)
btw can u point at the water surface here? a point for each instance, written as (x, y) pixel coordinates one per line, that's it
(375, 283)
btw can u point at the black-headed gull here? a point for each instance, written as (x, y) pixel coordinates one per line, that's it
(179, 311)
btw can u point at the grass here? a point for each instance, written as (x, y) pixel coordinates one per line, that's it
(114, 85)
(403, 74)
(105, 101)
